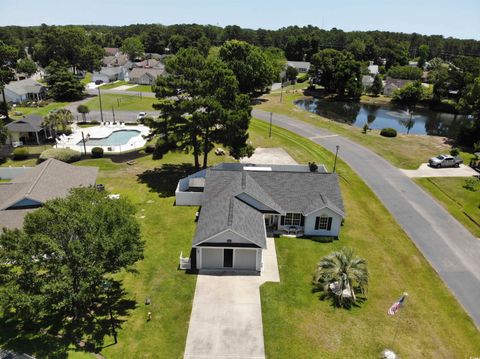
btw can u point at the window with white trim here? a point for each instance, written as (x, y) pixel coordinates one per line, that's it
(323, 223)
(293, 219)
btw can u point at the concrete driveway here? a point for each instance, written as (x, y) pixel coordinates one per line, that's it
(451, 250)
(226, 319)
(426, 171)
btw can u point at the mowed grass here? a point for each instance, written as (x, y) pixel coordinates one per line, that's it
(141, 88)
(122, 102)
(40, 111)
(167, 230)
(297, 324)
(403, 151)
(112, 85)
(463, 204)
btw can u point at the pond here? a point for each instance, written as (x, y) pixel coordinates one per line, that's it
(420, 122)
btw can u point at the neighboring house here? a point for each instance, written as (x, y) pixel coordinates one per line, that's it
(300, 66)
(392, 84)
(240, 202)
(110, 74)
(24, 90)
(367, 81)
(373, 69)
(145, 76)
(29, 129)
(31, 188)
(118, 60)
(148, 63)
(111, 51)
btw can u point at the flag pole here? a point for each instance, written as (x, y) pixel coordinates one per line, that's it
(405, 294)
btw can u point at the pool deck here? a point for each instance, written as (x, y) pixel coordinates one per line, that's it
(103, 131)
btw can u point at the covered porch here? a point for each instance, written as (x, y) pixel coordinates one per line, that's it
(288, 224)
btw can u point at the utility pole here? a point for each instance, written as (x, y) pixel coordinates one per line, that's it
(84, 146)
(335, 162)
(281, 92)
(100, 100)
(270, 133)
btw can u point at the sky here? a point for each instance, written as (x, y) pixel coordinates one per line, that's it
(460, 18)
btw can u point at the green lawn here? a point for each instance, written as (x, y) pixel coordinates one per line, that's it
(404, 151)
(87, 79)
(112, 85)
(122, 103)
(460, 202)
(298, 325)
(41, 111)
(29, 162)
(141, 88)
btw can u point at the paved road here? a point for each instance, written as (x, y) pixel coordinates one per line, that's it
(94, 92)
(452, 251)
(226, 319)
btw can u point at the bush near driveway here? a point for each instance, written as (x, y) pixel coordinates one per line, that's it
(64, 155)
(20, 153)
(97, 152)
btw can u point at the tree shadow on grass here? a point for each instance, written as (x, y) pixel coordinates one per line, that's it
(163, 180)
(53, 338)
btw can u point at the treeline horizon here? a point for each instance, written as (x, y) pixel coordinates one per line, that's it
(298, 43)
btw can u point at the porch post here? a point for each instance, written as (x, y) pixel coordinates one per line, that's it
(36, 135)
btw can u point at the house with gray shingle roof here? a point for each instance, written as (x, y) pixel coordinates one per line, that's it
(24, 90)
(110, 74)
(241, 202)
(33, 187)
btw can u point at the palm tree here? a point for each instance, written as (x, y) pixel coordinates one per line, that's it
(341, 275)
(65, 117)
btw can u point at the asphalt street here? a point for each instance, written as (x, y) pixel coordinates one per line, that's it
(451, 250)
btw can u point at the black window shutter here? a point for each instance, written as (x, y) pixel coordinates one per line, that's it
(302, 221)
(317, 220)
(282, 220)
(329, 225)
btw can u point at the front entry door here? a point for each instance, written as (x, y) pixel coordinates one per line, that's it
(228, 258)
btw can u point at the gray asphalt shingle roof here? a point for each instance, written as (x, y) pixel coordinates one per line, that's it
(51, 179)
(30, 123)
(25, 86)
(281, 192)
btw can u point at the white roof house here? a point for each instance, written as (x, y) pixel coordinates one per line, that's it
(372, 69)
(110, 74)
(300, 66)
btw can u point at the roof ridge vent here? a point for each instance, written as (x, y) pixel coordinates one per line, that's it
(230, 212)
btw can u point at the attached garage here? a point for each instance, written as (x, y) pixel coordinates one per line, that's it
(245, 259)
(229, 258)
(212, 258)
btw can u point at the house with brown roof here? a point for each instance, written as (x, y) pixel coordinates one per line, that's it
(31, 188)
(111, 51)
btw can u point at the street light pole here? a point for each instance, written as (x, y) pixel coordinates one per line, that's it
(100, 100)
(335, 162)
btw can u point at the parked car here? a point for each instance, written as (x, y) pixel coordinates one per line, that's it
(141, 115)
(98, 82)
(445, 161)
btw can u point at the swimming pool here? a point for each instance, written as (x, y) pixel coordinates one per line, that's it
(116, 138)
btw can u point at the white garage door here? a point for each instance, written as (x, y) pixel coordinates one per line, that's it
(212, 258)
(245, 259)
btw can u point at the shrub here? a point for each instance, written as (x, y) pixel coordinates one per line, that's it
(20, 153)
(94, 122)
(302, 78)
(454, 152)
(471, 184)
(388, 132)
(97, 152)
(64, 155)
(365, 128)
(150, 148)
